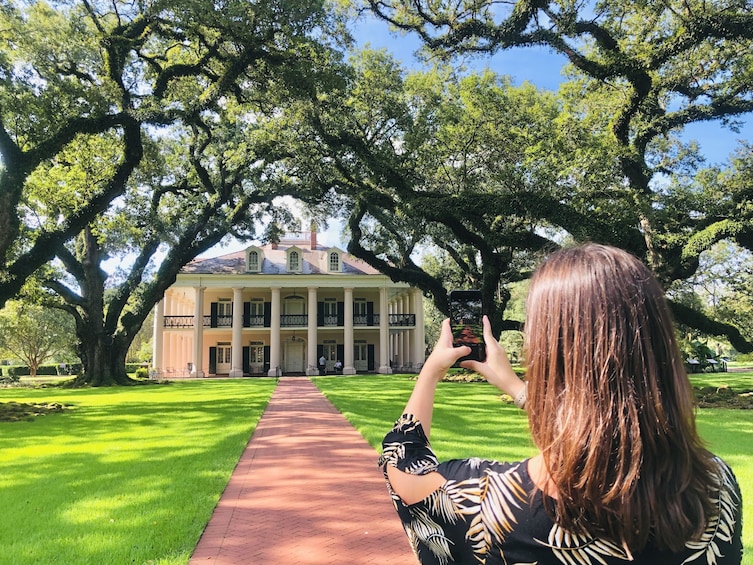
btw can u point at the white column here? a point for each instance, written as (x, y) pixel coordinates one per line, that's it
(157, 338)
(198, 333)
(404, 341)
(311, 360)
(186, 345)
(384, 332)
(167, 351)
(274, 333)
(348, 367)
(236, 369)
(399, 350)
(419, 345)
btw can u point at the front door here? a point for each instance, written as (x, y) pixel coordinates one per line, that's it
(294, 360)
(361, 357)
(224, 358)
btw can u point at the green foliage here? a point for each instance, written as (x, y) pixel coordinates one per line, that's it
(35, 334)
(140, 141)
(26, 371)
(607, 164)
(469, 166)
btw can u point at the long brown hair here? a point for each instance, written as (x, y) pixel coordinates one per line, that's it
(609, 403)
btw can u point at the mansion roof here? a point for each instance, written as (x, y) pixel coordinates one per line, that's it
(314, 262)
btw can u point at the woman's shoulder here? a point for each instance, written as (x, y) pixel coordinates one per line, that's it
(514, 475)
(478, 467)
(727, 477)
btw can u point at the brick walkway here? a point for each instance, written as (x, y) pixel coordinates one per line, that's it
(306, 490)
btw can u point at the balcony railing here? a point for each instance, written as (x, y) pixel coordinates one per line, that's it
(402, 320)
(286, 321)
(294, 320)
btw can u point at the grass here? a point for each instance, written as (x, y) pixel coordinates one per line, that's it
(132, 475)
(122, 475)
(500, 431)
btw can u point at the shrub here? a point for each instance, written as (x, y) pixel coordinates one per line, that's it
(142, 373)
(744, 357)
(24, 370)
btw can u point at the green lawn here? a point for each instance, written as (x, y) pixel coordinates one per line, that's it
(132, 475)
(127, 475)
(471, 420)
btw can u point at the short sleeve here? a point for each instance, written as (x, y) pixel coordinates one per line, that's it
(407, 448)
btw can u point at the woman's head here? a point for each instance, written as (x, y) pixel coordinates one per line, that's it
(610, 405)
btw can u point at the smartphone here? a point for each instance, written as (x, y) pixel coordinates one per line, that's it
(466, 314)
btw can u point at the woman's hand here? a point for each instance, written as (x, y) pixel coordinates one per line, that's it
(444, 355)
(496, 369)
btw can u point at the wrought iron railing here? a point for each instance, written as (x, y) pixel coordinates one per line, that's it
(286, 321)
(253, 322)
(402, 320)
(178, 322)
(290, 320)
(223, 322)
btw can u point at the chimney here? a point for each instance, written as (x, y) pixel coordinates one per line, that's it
(313, 235)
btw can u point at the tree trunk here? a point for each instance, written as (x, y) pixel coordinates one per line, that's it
(103, 360)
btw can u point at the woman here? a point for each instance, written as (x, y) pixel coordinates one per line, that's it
(621, 474)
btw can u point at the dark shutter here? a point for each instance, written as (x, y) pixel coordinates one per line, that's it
(320, 314)
(213, 315)
(246, 360)
(369, 313)
(266, 357)
(267, 314)
(319, 352)
(246, 314)
(370, 356)
(213, 360)
(341, 313)
(341, 352)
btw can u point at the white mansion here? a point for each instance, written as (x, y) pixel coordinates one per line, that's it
(278, 308)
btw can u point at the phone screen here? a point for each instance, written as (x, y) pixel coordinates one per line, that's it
(465, 318)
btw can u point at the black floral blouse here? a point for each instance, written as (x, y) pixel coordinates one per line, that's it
(491, 513)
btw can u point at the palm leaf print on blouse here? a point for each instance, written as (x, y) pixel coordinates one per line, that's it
(423, 529)
(490, 501)
(722, 525)
(581, 549)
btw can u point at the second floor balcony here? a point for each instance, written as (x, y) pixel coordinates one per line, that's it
(288, 321)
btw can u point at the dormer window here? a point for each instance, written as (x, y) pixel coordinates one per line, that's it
(254, 258)
(295, 260)
(334, 260)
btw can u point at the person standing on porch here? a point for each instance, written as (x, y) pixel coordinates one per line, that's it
(322, 365)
